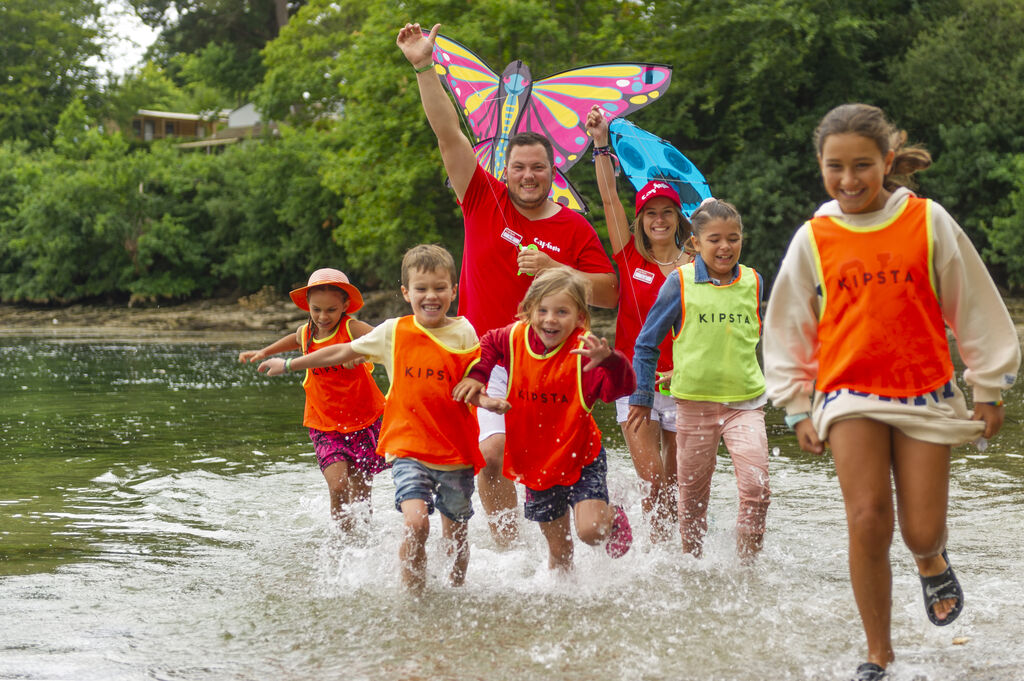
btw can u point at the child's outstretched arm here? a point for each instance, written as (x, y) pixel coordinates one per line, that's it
(614, 213)
(286, 344)
(324, 357)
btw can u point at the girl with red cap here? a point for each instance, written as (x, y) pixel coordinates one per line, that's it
(654, 245)
(343, 406)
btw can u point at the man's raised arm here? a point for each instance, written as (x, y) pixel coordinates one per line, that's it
(456, 151)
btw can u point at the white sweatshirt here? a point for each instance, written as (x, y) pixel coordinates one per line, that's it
(971, 306)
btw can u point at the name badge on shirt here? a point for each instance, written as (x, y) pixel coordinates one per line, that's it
(512, 237)
(643, 275)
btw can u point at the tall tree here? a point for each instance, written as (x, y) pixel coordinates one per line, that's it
(43, 51)
(217, 42)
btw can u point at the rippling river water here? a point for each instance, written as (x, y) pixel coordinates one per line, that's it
(162, 517)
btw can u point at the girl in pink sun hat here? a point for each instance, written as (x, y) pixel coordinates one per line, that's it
(343, 406)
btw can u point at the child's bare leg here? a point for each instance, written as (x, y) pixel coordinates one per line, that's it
(559, 538)
(593, 521)
(339, 487)
(413, 551)
(668, 455)
(650, 467)
(862, 450)
(360, 484)
(455, 535)
(921, 473)
(497, 493)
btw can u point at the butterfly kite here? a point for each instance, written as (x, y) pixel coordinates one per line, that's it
(497, 107)
(645, 157)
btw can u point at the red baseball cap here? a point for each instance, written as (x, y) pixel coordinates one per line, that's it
(653, 190)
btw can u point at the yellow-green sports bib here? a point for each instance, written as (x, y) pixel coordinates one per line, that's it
(715, 352)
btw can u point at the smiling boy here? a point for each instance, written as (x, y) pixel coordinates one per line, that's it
(430, 439)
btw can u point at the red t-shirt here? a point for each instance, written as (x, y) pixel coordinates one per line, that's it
(490, 286)
(639, 283)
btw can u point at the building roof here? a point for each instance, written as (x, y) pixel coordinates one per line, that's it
(174, 115)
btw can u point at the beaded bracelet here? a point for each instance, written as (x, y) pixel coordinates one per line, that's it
(606, 150)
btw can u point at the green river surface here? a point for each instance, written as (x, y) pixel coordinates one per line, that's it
(162, 517)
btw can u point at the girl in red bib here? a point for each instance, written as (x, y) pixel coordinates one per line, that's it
(343, 406)
(646, 251)
(857, 355)
(557, 371)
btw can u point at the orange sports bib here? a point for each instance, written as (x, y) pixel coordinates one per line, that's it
(421, 420)
(550, 434)
(880, 328)
(339, 399)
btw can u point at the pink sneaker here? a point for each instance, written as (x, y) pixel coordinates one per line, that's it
(621, 537)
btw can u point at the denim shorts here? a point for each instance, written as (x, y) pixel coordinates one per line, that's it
(546, 505)
(450, 491)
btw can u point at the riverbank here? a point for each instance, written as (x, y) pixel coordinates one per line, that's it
(262, 315)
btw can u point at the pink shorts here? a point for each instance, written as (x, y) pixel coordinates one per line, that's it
(357, 448)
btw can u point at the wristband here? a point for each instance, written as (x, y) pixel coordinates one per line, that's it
(997, 403)
(423, 69)
(793, 419)
(288, 364)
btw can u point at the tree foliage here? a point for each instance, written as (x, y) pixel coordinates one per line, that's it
(43, 51)
(354, 178)
(215, 42)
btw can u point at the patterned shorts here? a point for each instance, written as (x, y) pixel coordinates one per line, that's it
(358, 448)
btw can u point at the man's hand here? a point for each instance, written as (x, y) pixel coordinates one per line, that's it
(417, 48)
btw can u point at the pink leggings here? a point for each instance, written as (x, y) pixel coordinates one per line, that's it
(699, 427)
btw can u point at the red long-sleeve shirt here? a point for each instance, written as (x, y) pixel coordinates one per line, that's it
(611, 379)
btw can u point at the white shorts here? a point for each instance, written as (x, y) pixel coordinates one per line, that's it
(663, 411)
(491, 423)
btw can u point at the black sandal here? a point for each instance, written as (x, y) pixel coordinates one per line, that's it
(869, 671)
(941, 587)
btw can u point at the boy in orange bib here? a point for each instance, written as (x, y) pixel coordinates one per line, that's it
(429, 438)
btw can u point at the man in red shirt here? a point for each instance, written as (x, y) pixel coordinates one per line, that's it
(512, 229)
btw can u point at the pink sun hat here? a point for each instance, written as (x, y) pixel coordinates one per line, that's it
(332, 277)
(653, 190)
